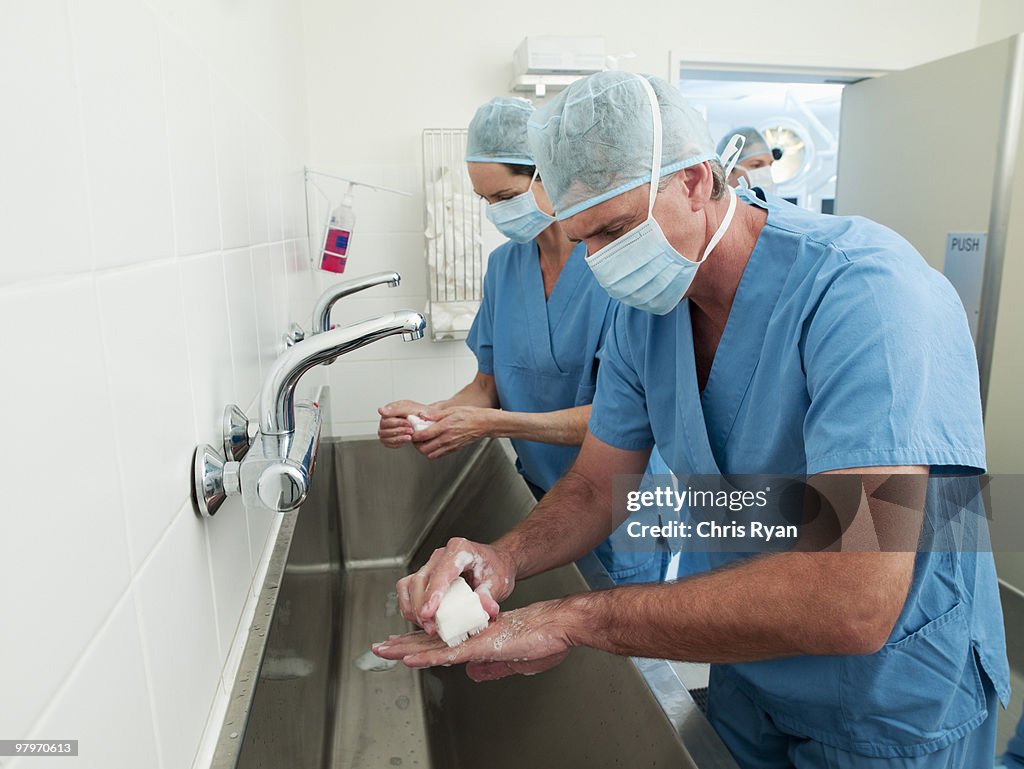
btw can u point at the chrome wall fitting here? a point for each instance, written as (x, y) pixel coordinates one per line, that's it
(236, 433)
(276, 470)
(208, 492)
(293, 335)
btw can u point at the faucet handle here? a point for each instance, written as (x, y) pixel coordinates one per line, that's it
(208, 487)
(294, 335)
(236, 433)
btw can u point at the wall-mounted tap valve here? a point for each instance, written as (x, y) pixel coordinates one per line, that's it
(276, 472)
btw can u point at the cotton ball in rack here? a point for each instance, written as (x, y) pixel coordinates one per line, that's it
(460, 614)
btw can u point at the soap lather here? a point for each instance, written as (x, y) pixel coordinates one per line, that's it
(418, 423)
(460, 614)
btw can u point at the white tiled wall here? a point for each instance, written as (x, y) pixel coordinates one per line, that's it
(152, 248)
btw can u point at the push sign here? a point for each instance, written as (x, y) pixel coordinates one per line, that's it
(965, 267)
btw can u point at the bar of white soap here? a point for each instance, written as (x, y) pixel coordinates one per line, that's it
(418, 423)
(460, 614)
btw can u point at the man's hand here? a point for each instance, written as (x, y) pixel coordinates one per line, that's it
(525, 641)
(490, 571)
(454, 428)
(394, 430)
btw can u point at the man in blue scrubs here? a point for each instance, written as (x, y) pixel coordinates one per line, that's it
(536, 337)
(804, 344)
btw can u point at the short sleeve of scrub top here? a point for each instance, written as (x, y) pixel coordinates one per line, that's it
(888, 380)
(619, 415)
(481, 333)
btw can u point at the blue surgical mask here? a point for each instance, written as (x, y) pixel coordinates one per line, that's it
(641, 268)
(519, 219)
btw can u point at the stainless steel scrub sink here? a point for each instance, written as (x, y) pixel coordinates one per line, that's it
(373, 516)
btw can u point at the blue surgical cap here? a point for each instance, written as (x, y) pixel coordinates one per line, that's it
(595, 140)
(497, 132)
(755, 143)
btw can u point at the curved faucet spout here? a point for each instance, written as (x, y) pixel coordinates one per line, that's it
(277, 398)
(322, 308)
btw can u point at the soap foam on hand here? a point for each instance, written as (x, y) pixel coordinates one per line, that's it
(460, 614)
(418, 423)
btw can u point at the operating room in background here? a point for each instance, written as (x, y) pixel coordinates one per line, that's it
(799, 117)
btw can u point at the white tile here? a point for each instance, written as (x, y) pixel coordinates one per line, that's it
(425, 381)
(465, 369)
(148, 371)
(229, 134)
(41, 137)
(204, 297)
(256, 178)
(242, 317)
(380, 251)
(387, 212)
(274, 151)
(359, 388)
(279, 264)
(231, 566)
(301, 288)
(194, 20)
(190, 134)
(269, 330)
(125, 130)
(63, 555)
(294, 195)
(179, 636)
(106, 704)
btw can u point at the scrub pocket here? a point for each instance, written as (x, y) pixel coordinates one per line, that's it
(915, 695)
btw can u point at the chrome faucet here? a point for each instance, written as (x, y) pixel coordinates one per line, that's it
(326, 301)
(322, 308)
(277, 470)
(278, 391)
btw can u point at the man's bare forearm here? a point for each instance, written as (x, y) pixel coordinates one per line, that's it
(569, 522)
(767, 607)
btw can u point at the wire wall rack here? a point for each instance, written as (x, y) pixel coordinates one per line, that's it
(453, 235)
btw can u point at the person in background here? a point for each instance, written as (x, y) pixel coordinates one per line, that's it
(755, 337)
(537, 337)
(755, 160)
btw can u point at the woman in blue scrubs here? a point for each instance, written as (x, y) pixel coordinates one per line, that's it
(536, 337)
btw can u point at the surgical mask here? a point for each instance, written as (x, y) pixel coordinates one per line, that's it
(519, 219)
(641, 268)
(761, 177)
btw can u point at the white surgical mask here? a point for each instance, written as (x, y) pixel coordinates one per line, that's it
(519, 219)
(641, 268)
(761, 177)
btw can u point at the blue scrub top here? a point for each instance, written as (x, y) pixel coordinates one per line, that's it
(541, 353)
(842, 349)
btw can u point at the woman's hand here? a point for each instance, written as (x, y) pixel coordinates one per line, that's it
(394, 430)
(524, 642)
(454, 428)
